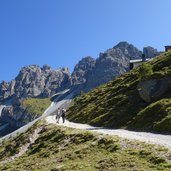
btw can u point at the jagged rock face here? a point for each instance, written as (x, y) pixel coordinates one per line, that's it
(150, 52)
(33, 81)
(16, 116)
(6, 89)
(112, 63)
(128, 50)
(30, 82)
(4, 93)
(82, 70)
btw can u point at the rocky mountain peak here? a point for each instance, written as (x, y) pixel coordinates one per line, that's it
(34, 81)
(112, 63)
(82, 70)
(65, 69)
(150, 52)
(46, 67)
(122, 45)
(128, 50)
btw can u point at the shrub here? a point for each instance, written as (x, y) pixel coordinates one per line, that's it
(145, 70)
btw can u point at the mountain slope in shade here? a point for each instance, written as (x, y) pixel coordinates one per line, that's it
(138, 100)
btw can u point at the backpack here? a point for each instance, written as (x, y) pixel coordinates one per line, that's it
(63, 112)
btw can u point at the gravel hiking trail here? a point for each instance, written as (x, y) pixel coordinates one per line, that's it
(151, 138)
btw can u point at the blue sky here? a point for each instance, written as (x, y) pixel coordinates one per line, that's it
(60, 32)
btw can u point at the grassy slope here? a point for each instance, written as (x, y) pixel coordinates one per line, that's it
(60, 148)
(36, 106)
(156, 116)
(117, 103)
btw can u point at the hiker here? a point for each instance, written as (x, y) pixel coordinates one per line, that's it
(58, 115)
(63, 114)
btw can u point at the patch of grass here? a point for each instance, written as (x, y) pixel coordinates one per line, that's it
(36, 106)
(145, 70)
(61, 148)
(155, 117)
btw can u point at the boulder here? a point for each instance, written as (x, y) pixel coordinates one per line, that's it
(153, 89)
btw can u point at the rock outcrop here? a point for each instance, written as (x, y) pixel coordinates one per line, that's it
(90, 73)
(83, 70)
(128, 50)
(6, 89)
(16, 116)
(150, 90)
(150, 52)
(112, 63)
(34, 81)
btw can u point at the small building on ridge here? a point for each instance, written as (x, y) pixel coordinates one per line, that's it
(167, 48)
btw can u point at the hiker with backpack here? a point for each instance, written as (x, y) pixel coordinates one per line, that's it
(63, 114)
(58, 115)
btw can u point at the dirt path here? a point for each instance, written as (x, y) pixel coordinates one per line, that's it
(151, 138)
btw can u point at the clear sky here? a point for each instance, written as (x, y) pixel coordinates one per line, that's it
(60, 32)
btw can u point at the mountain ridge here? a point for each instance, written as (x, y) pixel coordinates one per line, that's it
(34, 81)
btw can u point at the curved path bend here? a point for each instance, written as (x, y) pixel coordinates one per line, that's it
(151, 138)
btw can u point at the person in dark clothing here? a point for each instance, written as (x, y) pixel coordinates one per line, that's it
(63, 114)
